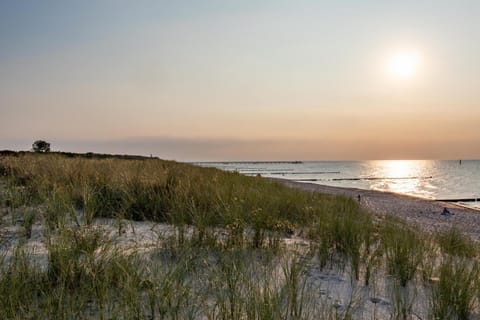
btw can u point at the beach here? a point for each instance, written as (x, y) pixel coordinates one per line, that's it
(422, 213)
(119, 235)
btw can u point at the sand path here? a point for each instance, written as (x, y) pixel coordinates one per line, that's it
(417, 211)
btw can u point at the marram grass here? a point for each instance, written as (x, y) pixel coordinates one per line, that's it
(225, 260)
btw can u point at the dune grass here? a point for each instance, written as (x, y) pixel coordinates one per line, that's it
(455, 243)
(456, 293)
(159, 191)
(226, 258)
(404, 250)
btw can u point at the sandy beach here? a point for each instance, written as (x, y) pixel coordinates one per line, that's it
(419, 212)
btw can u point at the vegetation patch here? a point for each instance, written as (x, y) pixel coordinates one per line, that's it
(237, 247)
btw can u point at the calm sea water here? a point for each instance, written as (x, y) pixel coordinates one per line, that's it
(430, 179)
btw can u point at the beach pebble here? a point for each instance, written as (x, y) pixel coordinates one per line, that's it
(337, 304)
(378, 300)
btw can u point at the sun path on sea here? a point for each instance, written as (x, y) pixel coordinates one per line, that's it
(423, 213)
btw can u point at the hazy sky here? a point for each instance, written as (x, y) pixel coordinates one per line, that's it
(243, 80)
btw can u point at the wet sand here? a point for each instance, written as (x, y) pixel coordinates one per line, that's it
(420, 212)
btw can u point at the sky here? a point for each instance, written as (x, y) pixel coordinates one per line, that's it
(243, 80)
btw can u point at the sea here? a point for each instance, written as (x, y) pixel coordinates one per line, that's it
(453, 180)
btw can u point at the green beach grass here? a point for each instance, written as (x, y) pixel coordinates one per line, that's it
(227, 259)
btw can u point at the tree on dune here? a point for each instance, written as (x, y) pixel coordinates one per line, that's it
(41, 146)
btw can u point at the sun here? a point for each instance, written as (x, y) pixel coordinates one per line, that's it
(404, 64)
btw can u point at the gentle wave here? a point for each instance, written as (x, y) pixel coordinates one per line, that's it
(366, 178)
(293, 173)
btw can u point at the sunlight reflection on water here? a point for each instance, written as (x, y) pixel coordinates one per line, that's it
(403, 176)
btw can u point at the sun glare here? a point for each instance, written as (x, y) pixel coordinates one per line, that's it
(404, 65)
(402, 176)
(400, 168)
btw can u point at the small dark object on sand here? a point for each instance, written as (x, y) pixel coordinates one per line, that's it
(445, 212)
(359, 198)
